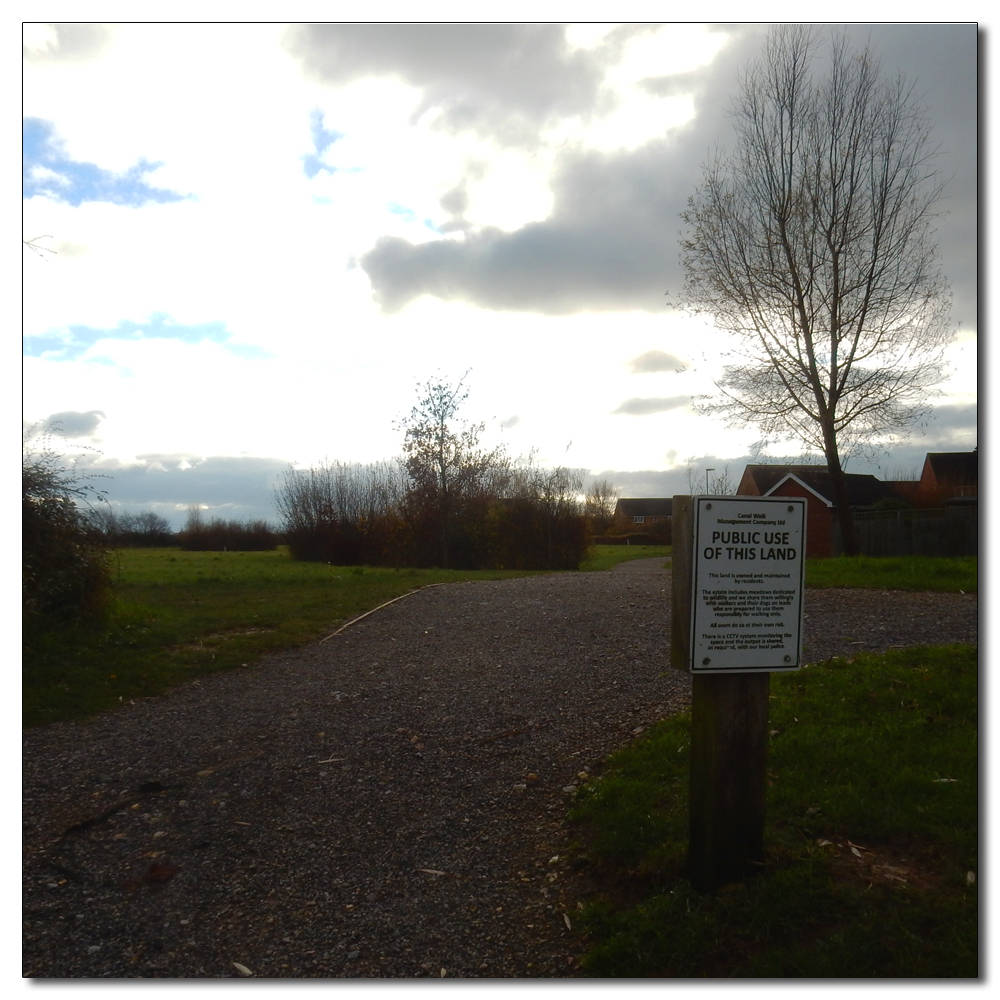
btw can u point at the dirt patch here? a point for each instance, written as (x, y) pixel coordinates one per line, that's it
(878, 863)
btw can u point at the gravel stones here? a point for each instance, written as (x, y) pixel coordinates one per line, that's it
(388, 803)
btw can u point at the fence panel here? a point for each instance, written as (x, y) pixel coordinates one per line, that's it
(951, 532)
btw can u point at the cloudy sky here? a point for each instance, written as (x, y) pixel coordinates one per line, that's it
(254, 240)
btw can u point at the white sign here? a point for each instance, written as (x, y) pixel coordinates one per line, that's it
(747, 584)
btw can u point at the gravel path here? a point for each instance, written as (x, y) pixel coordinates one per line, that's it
(387, 803)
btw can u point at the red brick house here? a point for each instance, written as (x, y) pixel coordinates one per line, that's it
(819, 513)
(643, 512)
(947, 478)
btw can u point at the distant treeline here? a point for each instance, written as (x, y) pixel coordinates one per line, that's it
(118, 529)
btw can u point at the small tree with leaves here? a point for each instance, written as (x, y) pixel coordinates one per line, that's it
(451, 476)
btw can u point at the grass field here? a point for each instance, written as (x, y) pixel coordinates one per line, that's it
(871, 836)
(899, 573)
(605, 557)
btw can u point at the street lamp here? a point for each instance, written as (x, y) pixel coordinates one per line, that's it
(707, 471)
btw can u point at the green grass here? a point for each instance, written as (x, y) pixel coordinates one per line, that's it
(901, 573)
(878, 752)
(182, 615)
(604, 557)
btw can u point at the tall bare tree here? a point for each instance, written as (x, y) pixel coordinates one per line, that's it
(812, 241)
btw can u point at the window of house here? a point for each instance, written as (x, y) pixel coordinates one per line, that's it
(639, 519)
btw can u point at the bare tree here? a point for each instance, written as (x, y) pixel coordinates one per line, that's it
(716, 480)
(599, 504)
(812, 241)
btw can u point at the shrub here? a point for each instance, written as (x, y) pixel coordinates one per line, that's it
(64, 574)
(218, 535)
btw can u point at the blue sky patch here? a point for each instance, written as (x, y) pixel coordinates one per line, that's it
(47, 170)
(73, 341)
(408, 215)
(323, 138)
(402, 211)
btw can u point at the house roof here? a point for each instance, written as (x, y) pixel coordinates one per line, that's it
(954, 467)
(765, 477)
(646, 507)
(862, 490)
(791, 477)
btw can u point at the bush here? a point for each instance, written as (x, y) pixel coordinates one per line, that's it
(348, 515)
(219, 535)
(64, 573)
(527, 533)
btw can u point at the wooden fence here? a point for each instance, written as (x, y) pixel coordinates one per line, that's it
(950, 531)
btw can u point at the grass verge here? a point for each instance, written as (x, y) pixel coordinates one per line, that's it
(871, 836)
(604, 557)
(182, 615)
(895, 573)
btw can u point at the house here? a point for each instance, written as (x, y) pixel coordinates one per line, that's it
(947, 479)
(644, 511)
(947, 476)
(862, 490)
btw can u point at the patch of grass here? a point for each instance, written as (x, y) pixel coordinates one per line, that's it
(182, 615)
(608, 556)
(895, 573)
(871, 835)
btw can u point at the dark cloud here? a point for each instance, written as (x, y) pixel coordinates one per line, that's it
(646, 482)
(73, 423)
(638, 407)
(75, 42)
(950, 417)
(503, 80)
(610, 243)
(228, 486)
(611, 240)
(675, 85)
(941, 60)
(656, 361)
(689, 476)
(900, 461)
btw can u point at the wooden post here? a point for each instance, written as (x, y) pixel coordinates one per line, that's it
(728, 739)
(728, 777)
